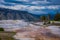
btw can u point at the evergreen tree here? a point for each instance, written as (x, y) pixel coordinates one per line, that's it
(43, 18)
(57, 17)
(1, 29)
(48, 18)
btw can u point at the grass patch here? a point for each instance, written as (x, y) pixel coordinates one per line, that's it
(7, 35)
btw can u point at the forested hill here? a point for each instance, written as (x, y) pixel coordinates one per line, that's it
(9, 14)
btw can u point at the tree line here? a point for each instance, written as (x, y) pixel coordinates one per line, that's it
(47, 19)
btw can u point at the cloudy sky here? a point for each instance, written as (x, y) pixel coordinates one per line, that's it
(33, 6)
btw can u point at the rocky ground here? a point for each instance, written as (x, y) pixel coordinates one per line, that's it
(37, 33)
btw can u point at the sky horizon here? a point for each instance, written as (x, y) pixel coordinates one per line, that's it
(32, 6)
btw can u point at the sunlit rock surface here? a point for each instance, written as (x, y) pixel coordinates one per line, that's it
(28, 31)
(40, 33)
(10, 25)
(54, 30)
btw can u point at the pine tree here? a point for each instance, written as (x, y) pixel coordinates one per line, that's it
(57, 17)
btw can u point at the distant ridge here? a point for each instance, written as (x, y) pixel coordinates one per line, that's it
(9, 14)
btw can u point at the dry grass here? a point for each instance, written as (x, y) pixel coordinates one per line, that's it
(6, 35)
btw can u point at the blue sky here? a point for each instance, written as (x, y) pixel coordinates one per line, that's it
(32, 6)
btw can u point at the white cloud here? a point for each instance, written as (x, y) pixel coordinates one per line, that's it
(43, 7)
(2, 1)
(16, 7)
(38, 12)
(40, 2)
(53, 7)
(31, 8)
(23, 0)
(19, 7)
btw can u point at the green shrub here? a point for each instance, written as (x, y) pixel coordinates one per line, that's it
(1, 29)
